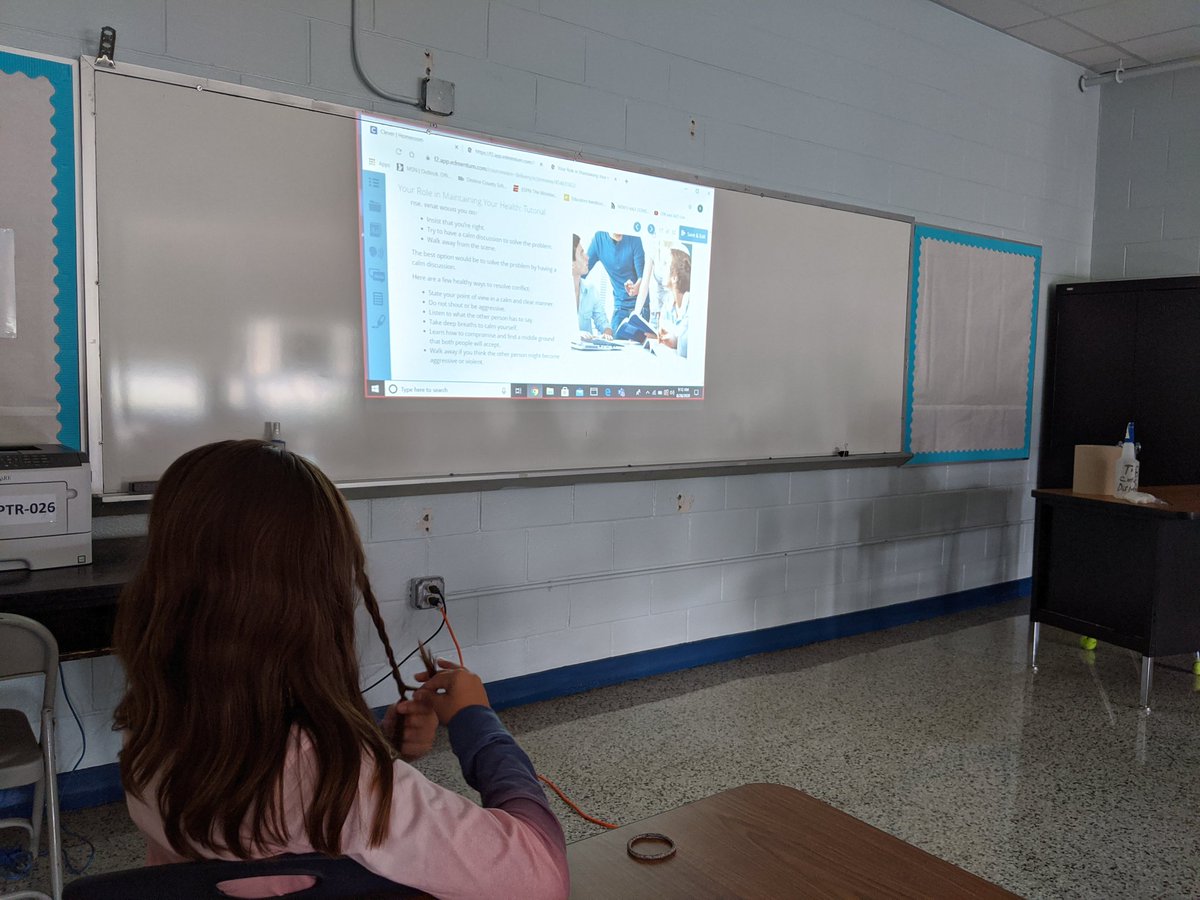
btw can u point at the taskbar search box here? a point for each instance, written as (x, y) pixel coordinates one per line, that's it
(477, 389)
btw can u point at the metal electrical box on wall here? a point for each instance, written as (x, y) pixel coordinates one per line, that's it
(45, 507)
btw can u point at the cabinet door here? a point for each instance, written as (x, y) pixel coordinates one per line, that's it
(1089, 389)
(1167, 386)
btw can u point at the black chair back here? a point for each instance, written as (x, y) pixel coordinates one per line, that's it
(339, 877)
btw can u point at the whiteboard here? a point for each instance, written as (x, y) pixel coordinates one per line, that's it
(228, 295)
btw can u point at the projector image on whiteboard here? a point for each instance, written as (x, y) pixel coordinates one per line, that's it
(488, 270)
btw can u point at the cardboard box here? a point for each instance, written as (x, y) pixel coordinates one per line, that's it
(1096, 469)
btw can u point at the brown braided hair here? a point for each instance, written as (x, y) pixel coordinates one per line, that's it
(240, 624)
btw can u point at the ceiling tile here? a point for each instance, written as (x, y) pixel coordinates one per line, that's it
(1095, 34)
(1053, 35)
(1169, 45)
(1058, 7)
(1128, 19)
(1000, 14)
(1103, 59)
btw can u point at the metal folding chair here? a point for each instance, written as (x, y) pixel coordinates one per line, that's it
(28, 648)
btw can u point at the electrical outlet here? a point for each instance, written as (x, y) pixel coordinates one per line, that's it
(428, 592)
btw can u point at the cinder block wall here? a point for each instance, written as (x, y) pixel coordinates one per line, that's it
(898, 105)
(1148, 178)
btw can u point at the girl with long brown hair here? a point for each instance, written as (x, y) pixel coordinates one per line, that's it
(246, 734)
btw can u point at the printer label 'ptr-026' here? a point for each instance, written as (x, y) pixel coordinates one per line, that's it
(28, 509)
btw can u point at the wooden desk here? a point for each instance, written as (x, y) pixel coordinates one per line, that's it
(1125, 573)
(769, 841)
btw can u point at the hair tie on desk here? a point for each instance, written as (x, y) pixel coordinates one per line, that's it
(666, 853)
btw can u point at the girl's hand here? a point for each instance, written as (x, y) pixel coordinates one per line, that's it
(420, 727)
(450, 690)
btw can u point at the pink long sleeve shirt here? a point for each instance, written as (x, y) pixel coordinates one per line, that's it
(438, 841)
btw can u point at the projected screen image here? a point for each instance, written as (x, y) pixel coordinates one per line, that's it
(491, 271)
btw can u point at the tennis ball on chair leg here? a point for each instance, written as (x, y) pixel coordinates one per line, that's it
(1087, 643)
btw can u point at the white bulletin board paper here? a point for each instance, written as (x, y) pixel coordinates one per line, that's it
(39, 349)
(970, 385)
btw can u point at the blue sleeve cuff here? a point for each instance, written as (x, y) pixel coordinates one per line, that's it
(492, 762)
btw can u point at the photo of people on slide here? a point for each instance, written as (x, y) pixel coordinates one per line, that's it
(673, 322)
(491, 270)
(624, 259)
(657, 315)
(590, 309)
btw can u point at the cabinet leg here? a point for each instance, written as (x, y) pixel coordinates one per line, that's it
(1035, 634)
(1147, 681)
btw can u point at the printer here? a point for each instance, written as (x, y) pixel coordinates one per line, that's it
(45, 507)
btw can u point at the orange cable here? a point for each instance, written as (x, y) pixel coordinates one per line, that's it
(446, 619)
(554, 787)
(567, 800)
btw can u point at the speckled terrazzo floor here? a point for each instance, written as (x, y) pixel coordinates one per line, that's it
(1052, 785)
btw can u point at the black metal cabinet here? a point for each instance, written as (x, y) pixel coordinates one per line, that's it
(1120, 351)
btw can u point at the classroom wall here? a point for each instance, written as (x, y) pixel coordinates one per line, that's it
(1148, 178)
(899, 105)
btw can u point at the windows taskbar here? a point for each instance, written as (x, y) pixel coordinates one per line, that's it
(532, 391)
(604, 392)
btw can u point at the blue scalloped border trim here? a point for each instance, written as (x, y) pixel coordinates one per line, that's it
(66, 282)
(966, 239)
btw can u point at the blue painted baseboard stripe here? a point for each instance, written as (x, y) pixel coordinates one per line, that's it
(602, 672)
(81, 789)
(102, 784)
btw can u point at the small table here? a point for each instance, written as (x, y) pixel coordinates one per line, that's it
(1125, 573)
(77, 603)
(770, 841)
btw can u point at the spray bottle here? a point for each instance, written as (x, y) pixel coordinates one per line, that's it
(1127, 466)
(275, 435)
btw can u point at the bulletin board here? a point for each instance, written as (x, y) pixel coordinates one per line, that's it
(972, 337)
(39, 290)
